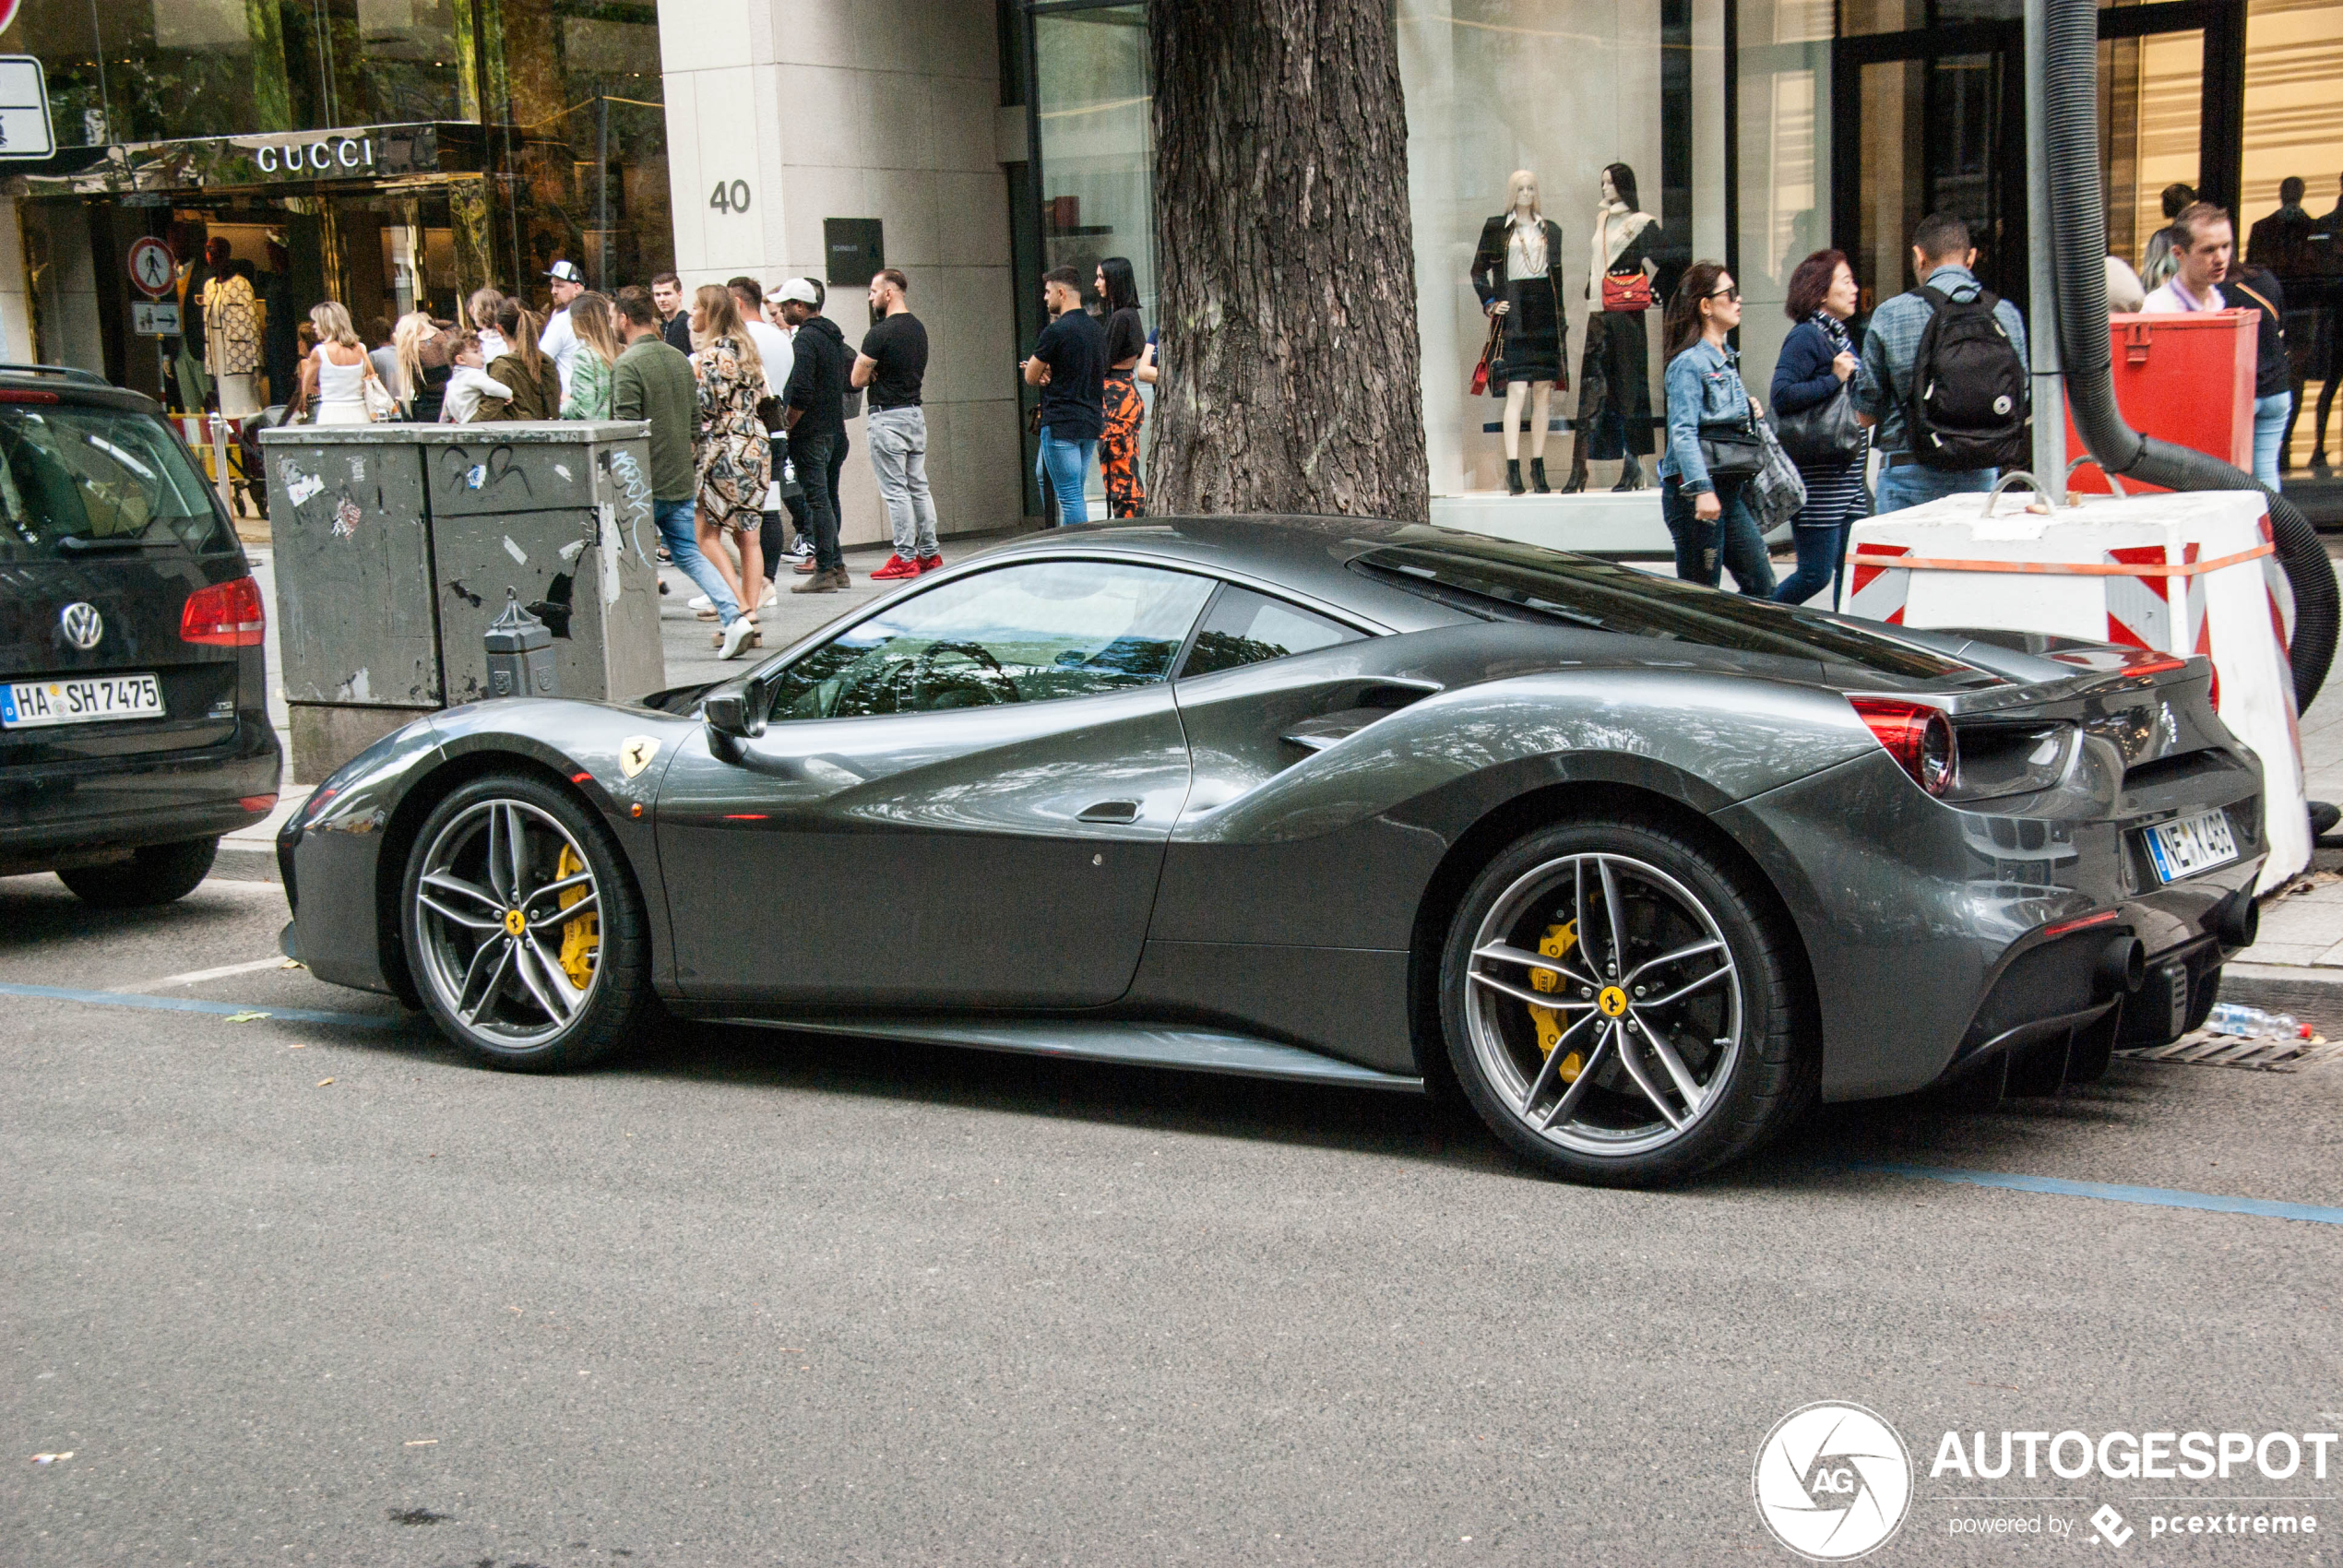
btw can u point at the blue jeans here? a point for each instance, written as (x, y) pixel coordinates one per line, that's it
(1732, 543)
(1064, 467)
(1908, 485)
(2269, 432)
(675, 519)
(1820, 551)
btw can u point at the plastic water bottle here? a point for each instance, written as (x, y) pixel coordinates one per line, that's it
(2251, 1023)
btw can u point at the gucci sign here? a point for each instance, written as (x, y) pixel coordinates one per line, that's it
(328, 155)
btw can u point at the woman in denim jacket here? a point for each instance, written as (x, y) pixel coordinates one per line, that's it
(1709, 520)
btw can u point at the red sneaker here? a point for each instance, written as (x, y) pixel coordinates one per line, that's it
(896, 567)
(931, 562)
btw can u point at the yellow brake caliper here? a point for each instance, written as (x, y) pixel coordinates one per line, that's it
(582, 936)
(1556, 944)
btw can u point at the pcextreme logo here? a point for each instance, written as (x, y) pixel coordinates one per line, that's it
(1832, 1481)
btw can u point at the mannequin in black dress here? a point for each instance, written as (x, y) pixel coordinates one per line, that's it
(1614, 378)
(1517, 273)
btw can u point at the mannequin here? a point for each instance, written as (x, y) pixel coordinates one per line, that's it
(1517, 274)
(1614, 378)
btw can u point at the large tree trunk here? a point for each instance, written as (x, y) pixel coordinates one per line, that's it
(1287, 313)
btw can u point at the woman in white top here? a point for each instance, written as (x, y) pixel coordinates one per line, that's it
(334, 377)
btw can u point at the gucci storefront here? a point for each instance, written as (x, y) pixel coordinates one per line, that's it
(454, 146)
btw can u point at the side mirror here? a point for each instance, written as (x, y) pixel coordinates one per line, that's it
(738, 714)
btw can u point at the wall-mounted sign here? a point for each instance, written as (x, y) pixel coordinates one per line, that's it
(24, 102)
(154, 318)
(152, 266)
(322, 157)
(856, 249)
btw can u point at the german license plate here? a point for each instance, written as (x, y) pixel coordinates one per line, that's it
(2191, 845)
(79, 699)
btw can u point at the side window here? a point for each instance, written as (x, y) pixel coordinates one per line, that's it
(1021, 634)
(1246, 628)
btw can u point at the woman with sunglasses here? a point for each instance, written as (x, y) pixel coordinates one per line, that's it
(1705, 511)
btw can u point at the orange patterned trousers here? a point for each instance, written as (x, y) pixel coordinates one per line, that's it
(1127, 496)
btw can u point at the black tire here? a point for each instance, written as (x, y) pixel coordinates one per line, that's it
(616, 1003)
(1755, 1085)
(159, 874)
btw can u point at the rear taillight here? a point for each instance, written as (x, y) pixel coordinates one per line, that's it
(224, 615)
(1918, 737)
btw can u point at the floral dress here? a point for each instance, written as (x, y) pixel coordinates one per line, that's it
(733, 457)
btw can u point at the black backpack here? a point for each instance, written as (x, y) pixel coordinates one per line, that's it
(1971, 405)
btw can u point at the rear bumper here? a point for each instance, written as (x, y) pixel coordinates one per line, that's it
(1935, 940)
(53, 813)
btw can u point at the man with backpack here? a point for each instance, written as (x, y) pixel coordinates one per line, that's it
(1944, 377)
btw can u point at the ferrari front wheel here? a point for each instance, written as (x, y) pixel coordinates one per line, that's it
(1619, 1009)
(523, 928)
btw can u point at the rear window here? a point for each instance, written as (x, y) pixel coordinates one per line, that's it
(76, 482)
(1501, 580)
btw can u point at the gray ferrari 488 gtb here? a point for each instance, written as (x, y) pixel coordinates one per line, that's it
(1643, 868)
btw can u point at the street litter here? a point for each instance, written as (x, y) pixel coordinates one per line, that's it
(292, 964)
(323, 1082)
(2236, 1019)
(420, 1442)
(245, 1017)
(52, 1458)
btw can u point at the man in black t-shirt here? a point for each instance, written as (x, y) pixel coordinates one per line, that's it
(674, 319)
(891, 366)
(1069, 366)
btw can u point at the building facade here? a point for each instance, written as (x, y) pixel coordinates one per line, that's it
(974, 143)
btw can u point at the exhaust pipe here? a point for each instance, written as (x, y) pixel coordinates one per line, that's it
(2237, 920)
(2122, 968)
(2078, 238)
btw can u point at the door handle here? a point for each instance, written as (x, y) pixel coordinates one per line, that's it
(1110, 811)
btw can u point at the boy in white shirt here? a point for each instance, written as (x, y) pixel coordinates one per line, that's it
(468, 383)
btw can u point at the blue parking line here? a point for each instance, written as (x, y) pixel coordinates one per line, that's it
(2159, 1197)
(190, 1004)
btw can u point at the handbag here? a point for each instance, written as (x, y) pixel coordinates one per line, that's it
(1777, 492)
(1628, 294)
(1825, 433)
(380, 405)
(1730, 451)
(1487, 353)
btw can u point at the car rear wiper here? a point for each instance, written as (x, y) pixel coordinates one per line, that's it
(108, 541)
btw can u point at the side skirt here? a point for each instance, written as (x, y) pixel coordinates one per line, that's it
(1182, 1046)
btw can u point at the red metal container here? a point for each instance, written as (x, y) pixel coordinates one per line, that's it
(2187, 379)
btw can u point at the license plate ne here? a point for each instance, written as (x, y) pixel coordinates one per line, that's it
(2191, 845)
(79, 699)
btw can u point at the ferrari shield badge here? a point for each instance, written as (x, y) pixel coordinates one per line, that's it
(635, 754)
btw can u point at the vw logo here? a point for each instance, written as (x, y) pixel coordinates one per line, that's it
(82, 625)
(1832, 1482)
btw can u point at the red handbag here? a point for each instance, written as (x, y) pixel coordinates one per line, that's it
(1488, 352)
(1627, 293)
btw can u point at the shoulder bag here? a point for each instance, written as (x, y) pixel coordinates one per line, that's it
(1488, 352)
(380, 404)
(1825, 433)
(1730, 451)
(1777, 493)
(1627, 293)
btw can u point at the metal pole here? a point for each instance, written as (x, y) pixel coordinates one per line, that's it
(2049, 372)
(602, 191)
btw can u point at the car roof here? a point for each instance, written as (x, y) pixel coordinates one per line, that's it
(75, 385)
(1305, 555)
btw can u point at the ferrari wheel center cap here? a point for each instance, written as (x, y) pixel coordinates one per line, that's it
(1612, 1001)
(515, 922)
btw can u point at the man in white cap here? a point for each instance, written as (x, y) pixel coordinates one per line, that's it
(559, 341)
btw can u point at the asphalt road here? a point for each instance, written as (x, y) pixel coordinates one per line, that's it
(321, 1292)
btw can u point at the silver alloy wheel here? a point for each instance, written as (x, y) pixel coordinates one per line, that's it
(491, 916)
(1649, 1005)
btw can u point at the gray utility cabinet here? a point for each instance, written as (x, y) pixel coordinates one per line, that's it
(394, 545)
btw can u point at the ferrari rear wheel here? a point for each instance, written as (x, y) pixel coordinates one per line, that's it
(1619, 1009)
(523, 930)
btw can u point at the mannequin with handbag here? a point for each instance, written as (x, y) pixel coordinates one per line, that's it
(1614, 377)
(1516, 272)
(1815, 417)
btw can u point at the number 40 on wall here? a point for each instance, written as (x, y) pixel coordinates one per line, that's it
(732, 198)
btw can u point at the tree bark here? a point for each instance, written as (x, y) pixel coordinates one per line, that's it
(1286, 312)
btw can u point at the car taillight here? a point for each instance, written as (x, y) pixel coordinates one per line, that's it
(1918, 737)
(224, 615)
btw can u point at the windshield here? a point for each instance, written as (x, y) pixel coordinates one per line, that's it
(1499, 579)
(101, 477)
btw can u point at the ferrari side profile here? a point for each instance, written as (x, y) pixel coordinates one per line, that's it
(1642, 869)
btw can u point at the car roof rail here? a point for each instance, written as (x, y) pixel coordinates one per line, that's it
(71, 373)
